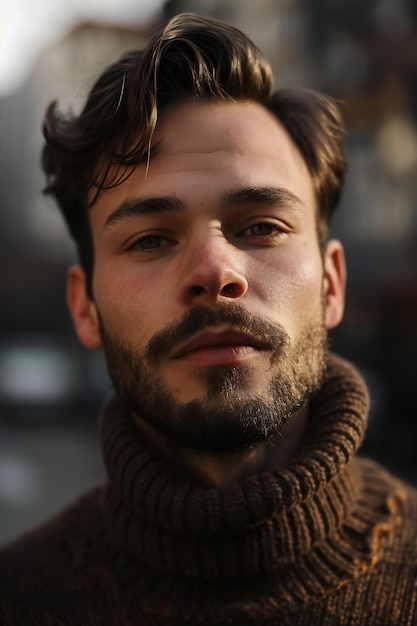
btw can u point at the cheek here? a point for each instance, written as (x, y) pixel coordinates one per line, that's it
(121, 304)
(132, 308)
(291, 286)
(291, 279)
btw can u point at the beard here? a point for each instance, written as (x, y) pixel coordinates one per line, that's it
(227, 417)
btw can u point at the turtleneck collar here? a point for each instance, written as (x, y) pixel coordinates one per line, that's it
(304, 522)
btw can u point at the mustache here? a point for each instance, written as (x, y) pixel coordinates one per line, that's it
(202, 317)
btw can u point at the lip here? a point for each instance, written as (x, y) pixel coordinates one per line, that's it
(218, 343)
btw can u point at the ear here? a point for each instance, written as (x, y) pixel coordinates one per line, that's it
(82, 308)
(334, 281)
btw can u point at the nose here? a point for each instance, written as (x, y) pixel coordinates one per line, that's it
(212, 272)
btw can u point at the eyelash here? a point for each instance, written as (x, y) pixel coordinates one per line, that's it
(136, 245)
(274, 230)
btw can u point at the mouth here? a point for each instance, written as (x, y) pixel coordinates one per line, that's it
(220, 346)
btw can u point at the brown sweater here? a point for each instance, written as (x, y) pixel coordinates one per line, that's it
(330, 540)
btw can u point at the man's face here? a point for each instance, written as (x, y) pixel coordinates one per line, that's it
(211, 296)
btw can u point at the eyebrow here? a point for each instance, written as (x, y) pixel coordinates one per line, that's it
(278, 196)
(146, 206)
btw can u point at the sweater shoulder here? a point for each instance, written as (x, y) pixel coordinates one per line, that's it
(375, 477)
(46, 557)
(394, 504)
(55, 574)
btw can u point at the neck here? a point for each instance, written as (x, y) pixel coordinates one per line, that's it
(223, 471)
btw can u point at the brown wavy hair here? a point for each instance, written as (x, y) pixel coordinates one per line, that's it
(191, 57)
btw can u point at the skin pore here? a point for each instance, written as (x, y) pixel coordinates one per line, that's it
(223, 220)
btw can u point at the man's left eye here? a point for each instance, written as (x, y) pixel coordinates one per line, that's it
(261, 229)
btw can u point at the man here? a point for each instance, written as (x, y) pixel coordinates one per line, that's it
(199, 200)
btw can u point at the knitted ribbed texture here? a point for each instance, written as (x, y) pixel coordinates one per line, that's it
(329, 540)
(167, 521)
(274, 524)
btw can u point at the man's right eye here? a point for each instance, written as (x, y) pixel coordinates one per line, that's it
(150, 242)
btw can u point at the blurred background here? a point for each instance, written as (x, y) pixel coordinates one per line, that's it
(51, 389)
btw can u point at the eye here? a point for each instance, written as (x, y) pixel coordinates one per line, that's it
(150, 242)
(261, 229)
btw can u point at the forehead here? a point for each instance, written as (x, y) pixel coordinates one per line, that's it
(246, 130)
(201, 150)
